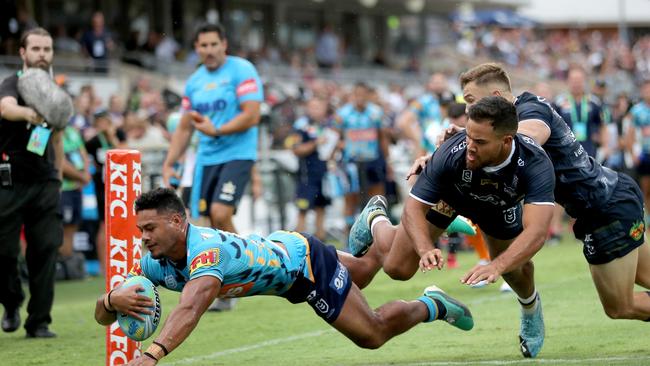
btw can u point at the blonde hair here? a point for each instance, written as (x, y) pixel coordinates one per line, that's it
(485, 74)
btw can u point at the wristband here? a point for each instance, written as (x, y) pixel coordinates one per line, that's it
(156, 351)
(161, 346)
(107, 303)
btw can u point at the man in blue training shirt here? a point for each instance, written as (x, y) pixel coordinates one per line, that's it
(204, 264)
(222, 101)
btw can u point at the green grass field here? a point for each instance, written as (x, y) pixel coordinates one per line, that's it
(271, 331)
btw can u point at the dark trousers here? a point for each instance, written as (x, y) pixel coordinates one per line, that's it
(36, 206)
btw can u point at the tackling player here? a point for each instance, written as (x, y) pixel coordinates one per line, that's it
(607, 206)
(484, 175)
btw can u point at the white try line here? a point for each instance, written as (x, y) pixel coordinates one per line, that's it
(271, 342)
(277, 341)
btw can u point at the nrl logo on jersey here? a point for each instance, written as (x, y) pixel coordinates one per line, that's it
(510, 215)
(467, 176)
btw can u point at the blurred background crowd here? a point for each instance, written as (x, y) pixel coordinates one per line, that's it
(125, 64)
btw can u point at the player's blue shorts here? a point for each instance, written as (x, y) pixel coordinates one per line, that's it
(617, 228)
(309, 195)
(502, 224)
(224, 183)
(332, 281)
(71, 205)
(362, 175)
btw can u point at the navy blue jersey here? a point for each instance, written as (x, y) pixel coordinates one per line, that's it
(311, 168)
(581, 183)
(451, 189)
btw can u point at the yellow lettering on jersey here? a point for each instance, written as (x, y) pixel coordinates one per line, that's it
(249, 254)
(208, 257)
(274, 263)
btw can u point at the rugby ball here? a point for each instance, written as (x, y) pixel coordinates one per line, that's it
(136, 329)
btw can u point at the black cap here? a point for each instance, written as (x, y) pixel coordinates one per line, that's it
(600, 83)
(101, 113)
(446, 98)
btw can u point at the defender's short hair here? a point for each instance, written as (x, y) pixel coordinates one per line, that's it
(209, 28)
(34, 31)
(501, 114)
(485, 74)
(162, 200)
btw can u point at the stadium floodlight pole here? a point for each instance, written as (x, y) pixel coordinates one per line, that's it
(123, 184)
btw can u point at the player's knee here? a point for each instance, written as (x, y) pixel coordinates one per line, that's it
(619, 311)
(399, 273)
(370, 341)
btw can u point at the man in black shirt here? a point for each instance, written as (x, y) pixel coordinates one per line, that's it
(30, 163)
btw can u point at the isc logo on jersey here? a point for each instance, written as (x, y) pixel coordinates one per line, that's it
(208, 257)
(459, 147)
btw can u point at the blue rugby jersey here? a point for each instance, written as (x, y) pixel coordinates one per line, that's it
(641, 119)
(360, 132)
(246, 266)
(219, 94)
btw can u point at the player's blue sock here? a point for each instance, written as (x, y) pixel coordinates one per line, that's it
(437, 310)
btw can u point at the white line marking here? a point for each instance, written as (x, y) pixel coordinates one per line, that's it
(500, 296)
(272, 342)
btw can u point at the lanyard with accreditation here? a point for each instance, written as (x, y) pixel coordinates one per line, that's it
(579, 125)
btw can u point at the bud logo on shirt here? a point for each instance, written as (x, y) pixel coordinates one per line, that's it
(246, 87)
(208, 257)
